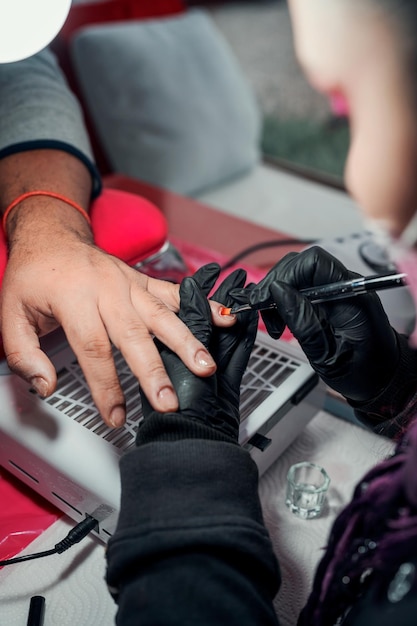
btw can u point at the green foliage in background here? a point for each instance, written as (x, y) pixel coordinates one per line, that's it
(318, 146)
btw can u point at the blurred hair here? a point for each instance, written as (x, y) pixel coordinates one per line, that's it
(402, 15)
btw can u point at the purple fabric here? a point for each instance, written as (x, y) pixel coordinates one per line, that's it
(374, 531)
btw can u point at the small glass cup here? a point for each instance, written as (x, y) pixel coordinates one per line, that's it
(307, 485)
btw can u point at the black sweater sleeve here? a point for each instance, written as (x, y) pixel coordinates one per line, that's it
(191, 546)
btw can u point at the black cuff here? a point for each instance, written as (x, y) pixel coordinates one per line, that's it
(173, 427)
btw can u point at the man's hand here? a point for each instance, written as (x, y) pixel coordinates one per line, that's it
(56, 276)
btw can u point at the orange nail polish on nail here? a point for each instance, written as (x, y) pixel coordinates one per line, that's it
(224, 310)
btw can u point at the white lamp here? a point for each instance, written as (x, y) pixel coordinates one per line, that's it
(27, 26)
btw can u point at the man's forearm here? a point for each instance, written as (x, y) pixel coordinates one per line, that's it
(49, 170)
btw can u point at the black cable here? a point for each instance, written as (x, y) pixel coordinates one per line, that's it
(265, 244)
(75, 535)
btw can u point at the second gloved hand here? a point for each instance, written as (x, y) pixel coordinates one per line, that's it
(209, 407)
(349, 342)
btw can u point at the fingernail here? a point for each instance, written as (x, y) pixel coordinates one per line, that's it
(40, 386)
(225, 311)
(167, 399)
(204, 359)
(117, 416)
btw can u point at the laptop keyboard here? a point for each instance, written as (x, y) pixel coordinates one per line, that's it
(267, 369)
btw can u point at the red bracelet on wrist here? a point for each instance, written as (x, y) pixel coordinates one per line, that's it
(51, 194)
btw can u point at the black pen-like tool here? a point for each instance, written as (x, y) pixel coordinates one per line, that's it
(36, 611)
(333, 291)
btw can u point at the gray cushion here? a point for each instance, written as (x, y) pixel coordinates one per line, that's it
(169, 100)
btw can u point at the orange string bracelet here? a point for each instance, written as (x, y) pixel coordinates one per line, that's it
(50, 194)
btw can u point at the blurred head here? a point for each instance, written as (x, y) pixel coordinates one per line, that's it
(364, 52)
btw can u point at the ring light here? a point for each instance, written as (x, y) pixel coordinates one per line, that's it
(28, 26)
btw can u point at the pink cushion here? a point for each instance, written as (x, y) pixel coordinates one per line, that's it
(127, 226)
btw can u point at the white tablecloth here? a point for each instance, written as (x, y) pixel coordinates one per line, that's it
(73, 582)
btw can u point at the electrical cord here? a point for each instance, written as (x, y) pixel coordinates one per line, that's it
(261, 246)
(75, 535)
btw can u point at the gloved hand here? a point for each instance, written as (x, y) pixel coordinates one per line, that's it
(209, 407)
(349, 342)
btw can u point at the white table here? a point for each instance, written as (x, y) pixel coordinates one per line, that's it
(73, 582)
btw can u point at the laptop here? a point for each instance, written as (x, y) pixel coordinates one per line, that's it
(63, 450)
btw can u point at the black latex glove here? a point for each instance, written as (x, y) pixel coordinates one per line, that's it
(349, 342)
(209, 407)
